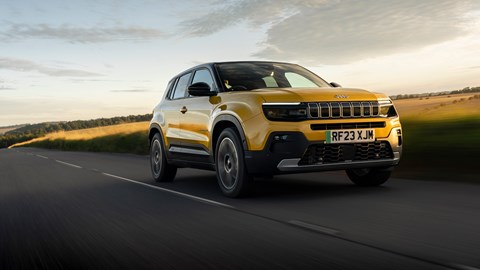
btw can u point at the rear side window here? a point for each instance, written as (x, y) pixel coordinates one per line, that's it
(169, 88)
(181, 86)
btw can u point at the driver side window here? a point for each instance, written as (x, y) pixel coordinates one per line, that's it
(203, 75)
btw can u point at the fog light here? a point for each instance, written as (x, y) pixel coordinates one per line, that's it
(280, 137)
(399, 136)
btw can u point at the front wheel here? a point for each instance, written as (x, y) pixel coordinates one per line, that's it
(369, 176)
(161, 170)
(232, 175)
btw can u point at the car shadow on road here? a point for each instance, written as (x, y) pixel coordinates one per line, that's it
(292, 186)
(313, 185)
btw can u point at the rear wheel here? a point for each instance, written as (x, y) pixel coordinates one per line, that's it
(232, 175)
(161, 170)
(369, 176)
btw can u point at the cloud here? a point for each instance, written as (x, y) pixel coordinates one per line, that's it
(74, 34)
(340, 31)
(28, 66)
(130, 91)
(230, 13)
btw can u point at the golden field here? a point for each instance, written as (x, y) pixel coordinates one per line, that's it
(91, 133)
(439, 107)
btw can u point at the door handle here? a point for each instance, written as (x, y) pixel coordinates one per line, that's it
(184, 109)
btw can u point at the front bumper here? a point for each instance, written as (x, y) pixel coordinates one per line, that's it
(286, 152)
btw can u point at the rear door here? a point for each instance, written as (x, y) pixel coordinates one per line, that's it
(172, 109)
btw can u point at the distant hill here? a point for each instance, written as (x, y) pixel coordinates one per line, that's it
(466, 90)
(27, 132)
(4, 130)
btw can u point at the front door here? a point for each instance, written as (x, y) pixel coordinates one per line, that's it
(195, 120)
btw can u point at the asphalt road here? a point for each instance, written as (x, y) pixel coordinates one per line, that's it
(65, 210)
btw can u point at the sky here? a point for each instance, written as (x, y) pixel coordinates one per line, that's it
(79, 60)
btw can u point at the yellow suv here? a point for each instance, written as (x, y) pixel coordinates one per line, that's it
(246, 119)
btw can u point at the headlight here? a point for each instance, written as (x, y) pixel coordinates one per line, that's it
(386, 108)
(285, 111)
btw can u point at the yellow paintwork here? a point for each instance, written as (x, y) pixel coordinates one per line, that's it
(314, 94)
(195, 126)
(258, 129)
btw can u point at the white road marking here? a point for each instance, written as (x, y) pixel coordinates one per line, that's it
(200, 199)
(68, 164)
(196, 198)
(314, 227)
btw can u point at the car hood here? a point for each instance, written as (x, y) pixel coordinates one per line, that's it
(315, 94)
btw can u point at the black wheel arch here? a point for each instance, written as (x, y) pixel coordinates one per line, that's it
(224, 121)
(154, 128)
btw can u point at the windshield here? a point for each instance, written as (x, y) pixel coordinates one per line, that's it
(255, 75)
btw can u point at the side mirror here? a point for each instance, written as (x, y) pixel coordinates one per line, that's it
(200, 89)
(334, 84)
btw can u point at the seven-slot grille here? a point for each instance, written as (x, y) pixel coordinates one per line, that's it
(343, 109)
(332, 153)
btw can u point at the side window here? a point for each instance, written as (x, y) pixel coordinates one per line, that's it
(203, 75)
(181, 87)
(297, 80)
(169, 88)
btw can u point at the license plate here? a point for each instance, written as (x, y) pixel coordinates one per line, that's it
(350, 135)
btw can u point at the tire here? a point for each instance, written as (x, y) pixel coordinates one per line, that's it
(232, 175)
(161, 170)
(369, 177)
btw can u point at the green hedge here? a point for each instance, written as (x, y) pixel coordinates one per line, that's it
(442, 149)
(135, 143)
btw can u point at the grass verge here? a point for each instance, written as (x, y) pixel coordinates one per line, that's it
(123, 138)
(441, 149)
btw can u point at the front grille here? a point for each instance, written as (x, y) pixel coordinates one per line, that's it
(325, 110)
(333, 153)
(347, 125)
